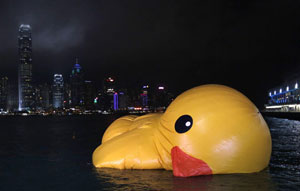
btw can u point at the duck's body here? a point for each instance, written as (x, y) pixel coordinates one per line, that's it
(209, 129)
(140, 134)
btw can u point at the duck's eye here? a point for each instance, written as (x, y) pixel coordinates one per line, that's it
(183, 124)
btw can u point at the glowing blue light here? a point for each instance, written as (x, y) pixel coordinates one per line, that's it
(116, 100)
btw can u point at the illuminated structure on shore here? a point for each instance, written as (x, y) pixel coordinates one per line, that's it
(58, 91)
(110, 96)
(285, 97)
(116, 101)
(25, 89)
(144, 96)
(77, 85)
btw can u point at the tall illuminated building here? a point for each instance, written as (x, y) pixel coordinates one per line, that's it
(123, 99)
(77, 85)
(110, 96)
(58, 91)
(144, 96)
(25, 89)
(109, 85)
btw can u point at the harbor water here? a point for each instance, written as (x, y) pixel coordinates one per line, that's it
(54, 153)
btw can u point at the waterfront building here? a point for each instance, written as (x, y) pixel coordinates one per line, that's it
(42, 97)
(58, 91)
(12, 97)
(45, 96)
(77, 85)
(160, 97)
(123, 99)
(67, 95)
(145, 97)
(109, 98)
(25, 87)
(98, 101)
(109, 85)
(37, 97)
(285, 97)
(89, 95)
(3, 93)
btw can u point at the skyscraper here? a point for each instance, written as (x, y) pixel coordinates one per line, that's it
(58, 91)
(77, 85)
(26, 100)
(89, 94)
(3, 93)
(12, 97)
(144, 96)
(43, 100)
(109, 98)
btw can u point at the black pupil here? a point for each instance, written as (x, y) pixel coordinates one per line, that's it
(183, 124)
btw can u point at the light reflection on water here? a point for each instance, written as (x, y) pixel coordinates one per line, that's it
(54, 153)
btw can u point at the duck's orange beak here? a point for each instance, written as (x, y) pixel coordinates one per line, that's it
(185, 165)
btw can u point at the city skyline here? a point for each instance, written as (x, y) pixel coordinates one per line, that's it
(77, 95)
(242, 45)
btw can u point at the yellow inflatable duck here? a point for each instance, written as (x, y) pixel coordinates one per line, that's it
(210, 129)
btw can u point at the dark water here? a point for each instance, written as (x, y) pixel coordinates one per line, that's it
(54, 153)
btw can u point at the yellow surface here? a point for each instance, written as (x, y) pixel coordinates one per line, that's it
(228, 133)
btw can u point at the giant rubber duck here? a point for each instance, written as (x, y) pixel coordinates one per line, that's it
(209, 129)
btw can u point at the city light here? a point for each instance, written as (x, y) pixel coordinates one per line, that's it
(287, 88)
(280, 106)
(270, 94)
(280, 91)
(110, 79)
(76, 95)
(296, 85)
(116, 101)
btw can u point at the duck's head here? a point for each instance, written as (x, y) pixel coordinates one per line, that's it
(214, 129)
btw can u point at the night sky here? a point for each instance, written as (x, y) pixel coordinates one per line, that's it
(251, 46)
